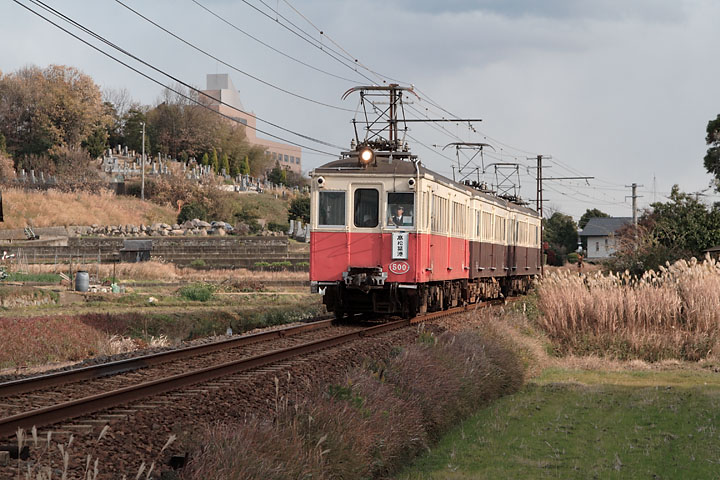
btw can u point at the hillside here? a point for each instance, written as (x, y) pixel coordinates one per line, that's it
(53, 208)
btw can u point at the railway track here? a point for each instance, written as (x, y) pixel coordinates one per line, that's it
(60, 397)
(35, 401)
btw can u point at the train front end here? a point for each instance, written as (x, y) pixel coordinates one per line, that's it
(363, 243)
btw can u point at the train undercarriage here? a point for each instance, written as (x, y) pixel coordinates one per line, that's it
(410, 300)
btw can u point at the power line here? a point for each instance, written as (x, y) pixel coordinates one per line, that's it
(348, 54)
(267, 45)
(186, 85)
(264, 82)
(306, 38)
(94, 47)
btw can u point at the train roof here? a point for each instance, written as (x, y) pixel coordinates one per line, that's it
(403, 163)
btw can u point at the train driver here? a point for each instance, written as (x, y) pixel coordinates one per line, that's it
(398, 220)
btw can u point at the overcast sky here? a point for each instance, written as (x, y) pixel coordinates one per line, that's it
(618, 90)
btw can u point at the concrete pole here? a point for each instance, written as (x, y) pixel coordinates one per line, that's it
(142, 184)
(634, 204)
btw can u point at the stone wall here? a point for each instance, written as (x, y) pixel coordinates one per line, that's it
(215, 251)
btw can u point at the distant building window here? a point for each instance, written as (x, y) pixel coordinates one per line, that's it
(286, 159)
(597, 246)
(274, 156)
(292, 159)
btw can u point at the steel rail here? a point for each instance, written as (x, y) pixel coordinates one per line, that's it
(92, 404)
(31, 384)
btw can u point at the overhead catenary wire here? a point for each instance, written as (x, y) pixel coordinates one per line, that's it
(204, 52)
(267, 45)
(349, 56)
(145, 75)
(426, 98)
(424, 95)
(308, 39)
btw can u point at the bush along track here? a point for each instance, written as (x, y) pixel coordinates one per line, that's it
(372, 423)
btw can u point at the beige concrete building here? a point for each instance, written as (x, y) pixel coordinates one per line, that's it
(221, 88)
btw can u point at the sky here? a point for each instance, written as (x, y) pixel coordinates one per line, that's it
(620, 90)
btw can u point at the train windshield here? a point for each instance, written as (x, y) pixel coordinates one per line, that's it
(331, 209)
(401, 209)
(366, 207)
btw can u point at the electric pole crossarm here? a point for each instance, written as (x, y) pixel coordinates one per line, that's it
(568, 178)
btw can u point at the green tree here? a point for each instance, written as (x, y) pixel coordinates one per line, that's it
(205, 160)
(96, 143)
(680, 228)
(561, 235)
(300, 208)
(594, 213)
(234, 167)
(214, 161)
(225, 163)
(712, 158)
(245, 166)
(685, 223)
(133, 127)
(278, 175)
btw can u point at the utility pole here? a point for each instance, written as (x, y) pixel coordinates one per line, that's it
(539, 201)
(538, 193)
(539, 197)
(634, 197)
(142, 184)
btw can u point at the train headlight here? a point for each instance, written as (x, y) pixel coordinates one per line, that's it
(365, 156)
(320, 182)
(411, 183)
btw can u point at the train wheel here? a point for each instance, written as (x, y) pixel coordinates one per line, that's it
(339, 314)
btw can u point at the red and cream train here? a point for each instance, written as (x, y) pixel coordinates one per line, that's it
(390, 236)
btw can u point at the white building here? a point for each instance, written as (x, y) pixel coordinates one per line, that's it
(600, 236)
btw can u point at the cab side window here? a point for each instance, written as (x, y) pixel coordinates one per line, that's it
(366, 206)
(400, 211)
(331, 209)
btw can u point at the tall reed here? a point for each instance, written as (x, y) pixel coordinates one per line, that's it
(670, 313)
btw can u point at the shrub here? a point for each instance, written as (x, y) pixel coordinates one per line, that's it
(191, 211)
(284, 265)
(370, 424)
(572, 257)
(197, 263)
(197, 292)
(278, 227)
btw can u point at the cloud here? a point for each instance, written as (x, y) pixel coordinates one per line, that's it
(645, 10)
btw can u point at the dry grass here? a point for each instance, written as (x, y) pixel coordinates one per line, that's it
(374, 422)
(53, 459)
(172, 273)
(42, 340)
(672, 313)
(55, 208)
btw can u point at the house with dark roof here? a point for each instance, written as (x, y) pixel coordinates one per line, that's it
(600, 236)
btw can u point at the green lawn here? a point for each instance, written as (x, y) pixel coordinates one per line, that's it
(589, 424)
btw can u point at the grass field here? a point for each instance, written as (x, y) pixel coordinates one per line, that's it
(569, 423)
(33, 336)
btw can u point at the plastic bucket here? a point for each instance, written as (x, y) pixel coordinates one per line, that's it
(82, 281)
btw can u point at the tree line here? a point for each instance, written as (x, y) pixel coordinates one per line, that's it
(681, 227)
(58, 120)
